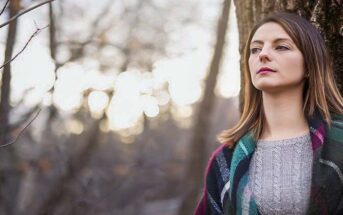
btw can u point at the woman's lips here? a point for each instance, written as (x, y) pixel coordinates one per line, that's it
(265, 71)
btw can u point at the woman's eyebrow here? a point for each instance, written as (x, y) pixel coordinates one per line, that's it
(275, 41)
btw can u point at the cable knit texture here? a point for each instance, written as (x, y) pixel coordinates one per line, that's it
(280, 175)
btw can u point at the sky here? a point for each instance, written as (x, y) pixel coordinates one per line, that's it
(33, 72)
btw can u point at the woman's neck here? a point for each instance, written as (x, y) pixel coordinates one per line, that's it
(283, 116)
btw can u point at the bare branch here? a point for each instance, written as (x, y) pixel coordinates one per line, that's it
(79, 51)
(105, 11)
(23, 12)
(27, 43)
(24, 118)
(22, 131)
(3, 9)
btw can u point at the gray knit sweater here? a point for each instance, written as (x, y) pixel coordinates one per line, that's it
(280, 175)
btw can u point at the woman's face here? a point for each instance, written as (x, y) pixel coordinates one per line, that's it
(271, 47)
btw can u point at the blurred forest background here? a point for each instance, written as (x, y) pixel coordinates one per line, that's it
(113, 106)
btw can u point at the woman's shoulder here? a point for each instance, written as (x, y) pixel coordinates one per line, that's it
(336, 130)
(222, 150)
(221, 157)
(333, 146)
(336, 117)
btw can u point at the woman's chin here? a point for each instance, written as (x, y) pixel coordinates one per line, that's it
(266, 85)
(270, 88)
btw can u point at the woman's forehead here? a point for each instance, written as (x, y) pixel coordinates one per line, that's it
(275, 40)
(272, 32)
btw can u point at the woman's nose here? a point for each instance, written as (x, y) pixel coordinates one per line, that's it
(264, 54)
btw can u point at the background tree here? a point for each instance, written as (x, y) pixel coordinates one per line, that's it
(199, 142)
(9, 174)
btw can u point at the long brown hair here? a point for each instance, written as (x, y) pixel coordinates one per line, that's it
(320, 90)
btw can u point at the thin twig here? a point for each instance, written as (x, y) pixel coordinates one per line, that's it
(23, 12)
(101, 16)
(3, 9)
(22, 131)
(20, 122)
(27, 43)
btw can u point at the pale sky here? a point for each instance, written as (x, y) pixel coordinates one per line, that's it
(33, 71)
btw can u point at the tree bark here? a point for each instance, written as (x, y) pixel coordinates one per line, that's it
(6, 75)
(198, 152)
(327, 16)
(53, 51)
(9, 175)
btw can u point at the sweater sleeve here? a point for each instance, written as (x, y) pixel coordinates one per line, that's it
(210, 202)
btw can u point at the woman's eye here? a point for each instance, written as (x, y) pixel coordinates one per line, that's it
(254, 50)
(282, 48)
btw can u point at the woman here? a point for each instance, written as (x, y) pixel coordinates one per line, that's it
(285, 155)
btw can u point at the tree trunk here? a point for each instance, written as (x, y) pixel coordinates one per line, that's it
(327, 16)
(53, 50)
(198, 152)
(9, 174)
(6, 75)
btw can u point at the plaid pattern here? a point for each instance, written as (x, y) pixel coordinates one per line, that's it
(226, 177)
